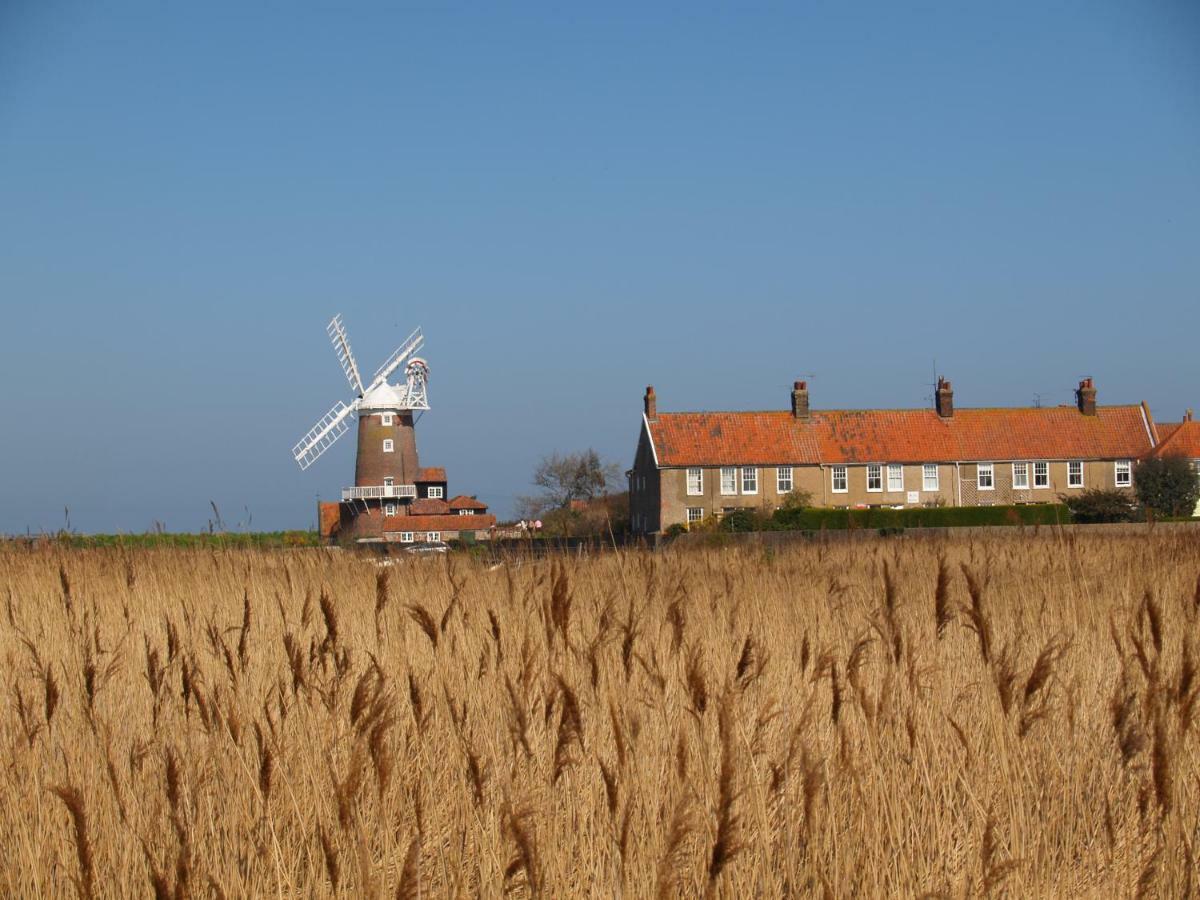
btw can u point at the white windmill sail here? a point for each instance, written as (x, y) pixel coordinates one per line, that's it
(341, 346)
(379, 395)
(322, 436)
(410, 346)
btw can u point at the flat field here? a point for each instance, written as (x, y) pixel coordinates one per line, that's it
(1009, 715)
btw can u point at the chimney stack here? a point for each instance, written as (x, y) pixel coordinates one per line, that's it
(800, 400)
(944, 398)
(1187, 416)
(650, 402)
(1085, 397)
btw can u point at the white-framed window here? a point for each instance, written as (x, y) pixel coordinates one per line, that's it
(695, 514)
(783, 480)
(1041, 474)
(466, 512)
(874, 478)
(406, 537)
(436, 492)
(728, 480)
(1075, 473)
(433, 536)
(385, 419)
(895, 478)
(389, 509)
(388, 445)
(985, 477)
(1124, 472)
(1020, 476)
(695, 482)
(929, 477)
(388, 481)
(749, 481)
(840, 483)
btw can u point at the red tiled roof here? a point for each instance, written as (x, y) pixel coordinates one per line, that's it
(1182, 439)
(428, 506)
(441, 523)
(431, 473)
(902, 435)
(1165, 430)
(462, 501)
(330, 518)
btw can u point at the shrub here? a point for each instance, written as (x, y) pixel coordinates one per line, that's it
(742, 520)
(1168, 485)
(1102, 505)
(674, 531)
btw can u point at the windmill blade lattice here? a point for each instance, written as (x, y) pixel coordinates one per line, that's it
(323, 435)
(341, 346)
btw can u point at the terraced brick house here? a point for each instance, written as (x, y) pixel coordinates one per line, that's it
(690, 466)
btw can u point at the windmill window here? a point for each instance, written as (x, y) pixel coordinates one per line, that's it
(389, 509)
(1075, 474)
(388, 445)
(436, 493)
(385, 419)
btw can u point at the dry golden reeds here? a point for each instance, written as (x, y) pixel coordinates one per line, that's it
(710, 720)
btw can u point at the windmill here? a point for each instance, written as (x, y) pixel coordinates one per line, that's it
(387, 448)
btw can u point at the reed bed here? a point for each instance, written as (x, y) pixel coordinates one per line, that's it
(1010, 716)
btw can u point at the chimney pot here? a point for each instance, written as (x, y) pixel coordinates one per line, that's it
(650, 403)
(800, 400)
(1085, 396)
(943, 400)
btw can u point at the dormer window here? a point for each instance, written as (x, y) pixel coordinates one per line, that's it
(436, 493)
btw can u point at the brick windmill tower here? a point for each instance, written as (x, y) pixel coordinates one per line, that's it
(393, 498)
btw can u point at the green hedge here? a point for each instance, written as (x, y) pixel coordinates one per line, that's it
(262, 539)
(933, 517)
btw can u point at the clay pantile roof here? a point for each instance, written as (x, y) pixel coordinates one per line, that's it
(1165, 430)
(428, 506)
(430, 473)
(462, 501)
(441, 523)
(1183, 439)
(902, 435)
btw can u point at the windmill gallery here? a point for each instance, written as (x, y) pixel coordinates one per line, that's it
(393, 498)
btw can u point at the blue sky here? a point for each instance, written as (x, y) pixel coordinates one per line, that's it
(573, 202)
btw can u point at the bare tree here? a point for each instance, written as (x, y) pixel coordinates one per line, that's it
(571, 476)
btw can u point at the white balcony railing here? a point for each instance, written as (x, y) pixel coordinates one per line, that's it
(379, 492)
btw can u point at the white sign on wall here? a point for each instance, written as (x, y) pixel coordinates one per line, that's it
(914, 496)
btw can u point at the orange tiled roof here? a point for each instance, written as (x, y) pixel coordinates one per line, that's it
(1179, 439)
(901, 435)
(462, 501)
(431, 473)
(428, 506)
(441, 523)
